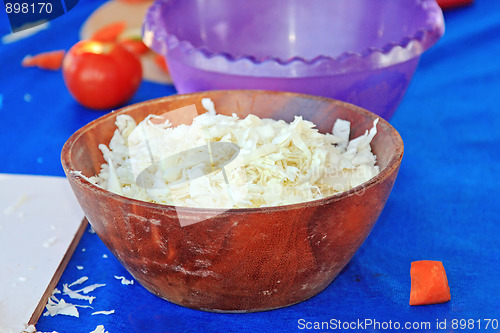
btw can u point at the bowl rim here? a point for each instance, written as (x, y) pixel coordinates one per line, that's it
(82, 180)
(408, 47)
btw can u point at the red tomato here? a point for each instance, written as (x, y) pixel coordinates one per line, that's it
(101, 75)
(134, 1)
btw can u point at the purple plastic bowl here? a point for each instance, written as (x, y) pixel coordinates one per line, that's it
(360, 51)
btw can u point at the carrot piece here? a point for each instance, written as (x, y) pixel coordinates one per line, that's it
(161, 62)
(429, 284)
(109, 32)
(135, 46)
(46, 60)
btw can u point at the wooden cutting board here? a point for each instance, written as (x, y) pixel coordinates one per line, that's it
(40, 226)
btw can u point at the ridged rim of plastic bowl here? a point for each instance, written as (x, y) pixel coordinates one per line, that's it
(157, 37)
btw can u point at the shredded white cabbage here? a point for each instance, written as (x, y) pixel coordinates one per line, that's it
(278, 163)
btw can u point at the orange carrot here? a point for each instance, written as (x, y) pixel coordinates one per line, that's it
(161, 62)
(135, 46)
(46, 60)
(429, 284)
(109, 32)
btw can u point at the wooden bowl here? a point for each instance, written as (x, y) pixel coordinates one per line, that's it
(239, 260)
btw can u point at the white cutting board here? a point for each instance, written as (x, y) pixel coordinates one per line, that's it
(40, 226)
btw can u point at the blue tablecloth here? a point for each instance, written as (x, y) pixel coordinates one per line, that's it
(444, 205)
